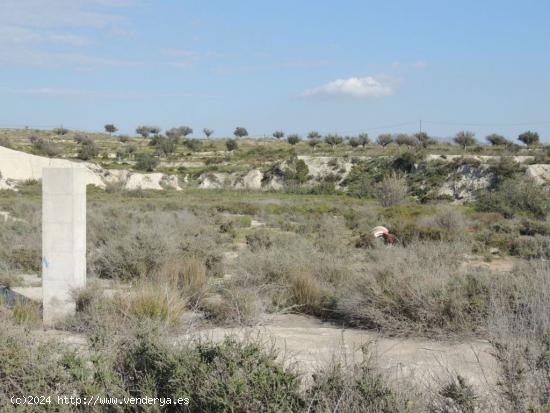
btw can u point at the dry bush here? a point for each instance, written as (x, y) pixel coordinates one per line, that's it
(447, 218)
(332, 235)
(187, 274)
(128, 244)
(416, 288)
(348, 386)
(259, 240)
(519, 329)
(537, 246)
(289, 253)
(455, 396)
(293, 275)
(392, 190)
(240, 306)
(234, 305)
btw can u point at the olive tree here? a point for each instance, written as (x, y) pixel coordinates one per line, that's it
(529, 138)
(384, 139)
(110, 128)
(363, 139)
(333, 139)
(240, 132)
(278, 134)
(497, 140)
(155, 130)
(293, 139)
(404, 139)
(314, 135)
(354, 141)
(423, 139)
(313, 142)
(145, 131)
(464, 139)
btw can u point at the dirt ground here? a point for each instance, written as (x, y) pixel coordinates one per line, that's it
(312, 344)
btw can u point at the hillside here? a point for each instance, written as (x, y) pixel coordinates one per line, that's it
(433, 170)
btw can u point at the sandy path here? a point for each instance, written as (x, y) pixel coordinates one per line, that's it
(312, 344)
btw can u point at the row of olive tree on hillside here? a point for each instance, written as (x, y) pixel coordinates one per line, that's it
(183, 131)
(314, 138)
(421, 139)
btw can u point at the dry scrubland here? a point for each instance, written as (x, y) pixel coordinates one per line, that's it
(176, 262)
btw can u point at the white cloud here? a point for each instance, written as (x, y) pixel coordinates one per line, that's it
(355, 87)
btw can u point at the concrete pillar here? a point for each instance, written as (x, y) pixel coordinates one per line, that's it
(63, 240)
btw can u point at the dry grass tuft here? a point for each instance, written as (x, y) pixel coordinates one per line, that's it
(27, 313)
(304, 292)
(187, 274)
(154, 301)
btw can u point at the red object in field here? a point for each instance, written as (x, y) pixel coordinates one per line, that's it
(384, 233)
(389, 239)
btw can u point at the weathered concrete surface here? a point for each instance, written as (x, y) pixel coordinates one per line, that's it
(63, 239)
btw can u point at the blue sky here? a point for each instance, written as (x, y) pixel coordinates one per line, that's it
(334, 66)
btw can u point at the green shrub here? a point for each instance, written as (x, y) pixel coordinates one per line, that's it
(87, 151)
(296, 173)
(194, 145)
(231, 145)
(227, 376)
(532, 227)
(456, 396)
(520, 196)
(32, 366)
(146, 162)
(505, 169)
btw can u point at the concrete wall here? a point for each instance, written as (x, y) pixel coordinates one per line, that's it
(63, 239)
